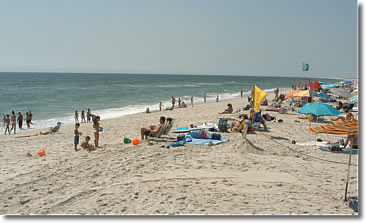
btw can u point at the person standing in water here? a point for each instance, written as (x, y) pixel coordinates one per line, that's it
(7, 124)
(161, 105)
(179, 102)
(13, 122)
(241, 93)
(76, 117)
(204, 98)
(173, 101)
(192, 101)
(20, 120)
(88, 115)
(83, 117)
(217, 98)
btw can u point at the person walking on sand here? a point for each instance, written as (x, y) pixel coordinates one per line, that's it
(76, 136)
(241, 93)
(76, 116)
(13, 122)
(217, 98)
(204, 98)
(20, 120)
(7, 124)
(173, 101)
(192, 101)
(83, 117)
(88, 115)
(161, 105)
(96, 127)
(179, 102)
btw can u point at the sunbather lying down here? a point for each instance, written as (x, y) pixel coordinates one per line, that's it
(229, 109)
(153, 130)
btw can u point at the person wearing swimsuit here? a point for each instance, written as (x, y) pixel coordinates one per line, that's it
(96, 127)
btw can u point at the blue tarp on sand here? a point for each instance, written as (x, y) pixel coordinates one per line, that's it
(206, 141)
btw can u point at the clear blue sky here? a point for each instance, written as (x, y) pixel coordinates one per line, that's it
(234, 37)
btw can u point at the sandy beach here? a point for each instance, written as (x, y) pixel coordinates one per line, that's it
(265, 175)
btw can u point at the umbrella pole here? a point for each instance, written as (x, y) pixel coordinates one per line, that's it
(349, 167)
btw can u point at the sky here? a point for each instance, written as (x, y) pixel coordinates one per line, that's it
(221, 37)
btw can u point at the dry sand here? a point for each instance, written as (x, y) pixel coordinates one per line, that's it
(262, 176)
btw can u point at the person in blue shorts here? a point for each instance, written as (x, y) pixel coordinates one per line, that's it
(76, 137)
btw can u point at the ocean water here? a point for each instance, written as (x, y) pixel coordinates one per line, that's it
(54, 97)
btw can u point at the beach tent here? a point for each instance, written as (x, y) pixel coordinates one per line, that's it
(291, 94)
(330, 86)
(319, 109)
(347, 82)
(340, 128)
(342, 92)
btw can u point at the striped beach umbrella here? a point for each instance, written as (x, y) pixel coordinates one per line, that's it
(338, 128)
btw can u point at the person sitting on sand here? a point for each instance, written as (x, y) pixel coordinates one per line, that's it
(347, 117)
(85, 144)
(148, 110)
(239, 125)
(52, 129)
(229, 109)
(353, 140)
(182, 105)
(152, 130)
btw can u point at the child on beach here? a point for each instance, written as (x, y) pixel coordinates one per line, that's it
(7, 124)
(20, 120)
(85, 144)
(76, 117)
(229, 109)
(83, 117)
(76, 137)
(13, 121)
(88, 115)
(96, 127)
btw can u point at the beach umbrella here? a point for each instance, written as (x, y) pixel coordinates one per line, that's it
(347, 82)
(340, 128)
(330, 86)
(291, 94)
(354, 99)
(342, 92)
(319, 109)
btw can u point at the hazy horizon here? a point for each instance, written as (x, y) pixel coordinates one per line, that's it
(202, 37)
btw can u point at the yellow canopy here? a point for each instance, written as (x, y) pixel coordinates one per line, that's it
(303, 94)
(291, 94)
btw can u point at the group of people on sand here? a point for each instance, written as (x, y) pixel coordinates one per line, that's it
(13, 120)
(88, 116)
(96, 130)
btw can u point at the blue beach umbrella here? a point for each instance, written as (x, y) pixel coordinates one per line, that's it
(319, 109)
(330, 86)
(347, 82)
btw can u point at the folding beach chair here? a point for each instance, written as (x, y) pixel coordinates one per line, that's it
(57, 128)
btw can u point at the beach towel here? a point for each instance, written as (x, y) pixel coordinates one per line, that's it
(26, 135)
(206, 141)
(342, 150)
(186, 130)
(207, 126)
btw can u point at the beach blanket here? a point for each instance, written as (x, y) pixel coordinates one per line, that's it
(206, 141)
(312, 143)
(343, 150)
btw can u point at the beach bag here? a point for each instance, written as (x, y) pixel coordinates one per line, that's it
(202, 135)
(216, 136)
(223, 125)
